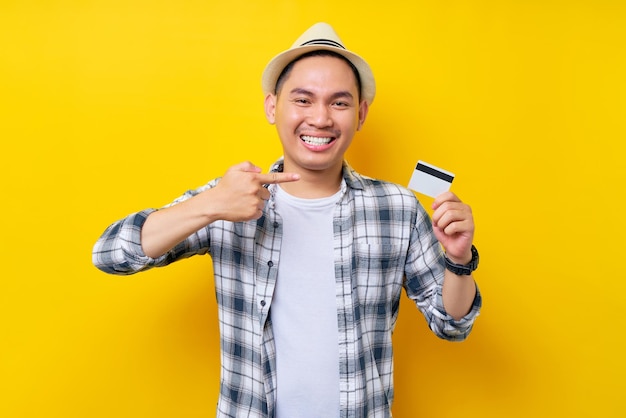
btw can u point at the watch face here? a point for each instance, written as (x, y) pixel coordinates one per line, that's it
(474, 262)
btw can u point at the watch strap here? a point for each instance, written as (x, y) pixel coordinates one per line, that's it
(463, 269)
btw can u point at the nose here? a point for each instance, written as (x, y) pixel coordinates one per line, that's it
(320, 116)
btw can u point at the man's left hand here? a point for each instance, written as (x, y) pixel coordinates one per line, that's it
(453, 224)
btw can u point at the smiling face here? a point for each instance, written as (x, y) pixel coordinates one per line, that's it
(317, 113)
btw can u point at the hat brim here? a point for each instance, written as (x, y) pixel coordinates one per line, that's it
(279, 62)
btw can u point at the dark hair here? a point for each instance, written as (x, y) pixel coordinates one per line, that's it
(317, 53)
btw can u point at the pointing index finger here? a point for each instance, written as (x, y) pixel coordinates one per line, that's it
(274, 178)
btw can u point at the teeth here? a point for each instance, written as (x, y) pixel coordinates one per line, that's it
(314, 140)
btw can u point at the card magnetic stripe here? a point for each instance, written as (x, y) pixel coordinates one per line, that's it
(435, 173)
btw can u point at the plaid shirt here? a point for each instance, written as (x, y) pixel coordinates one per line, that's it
(383, 243)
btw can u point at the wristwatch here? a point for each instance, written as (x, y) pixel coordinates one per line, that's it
(463, 269)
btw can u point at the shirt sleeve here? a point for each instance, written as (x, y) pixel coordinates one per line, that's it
(424, 272)
(118, 250)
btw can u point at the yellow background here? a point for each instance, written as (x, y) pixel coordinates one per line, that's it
(112, 106)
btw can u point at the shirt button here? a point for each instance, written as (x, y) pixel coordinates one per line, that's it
(270, 263)
(275, 224)
(262, 303)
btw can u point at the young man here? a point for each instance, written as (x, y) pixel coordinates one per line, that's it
(311, 258)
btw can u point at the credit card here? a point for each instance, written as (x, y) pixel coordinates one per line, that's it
(430, 180)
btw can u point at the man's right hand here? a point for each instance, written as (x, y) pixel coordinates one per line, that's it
(241, 193)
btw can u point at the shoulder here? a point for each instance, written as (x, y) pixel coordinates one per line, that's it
(193, 192)
(386, 188)
(382, 194)
(376, 187)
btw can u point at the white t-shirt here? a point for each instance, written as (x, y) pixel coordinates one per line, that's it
(304, 310)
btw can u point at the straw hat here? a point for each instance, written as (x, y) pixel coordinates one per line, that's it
(320, 36)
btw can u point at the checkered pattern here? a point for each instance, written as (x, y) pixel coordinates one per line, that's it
(383, 243)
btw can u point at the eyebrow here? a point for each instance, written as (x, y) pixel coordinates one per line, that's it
(305, 92)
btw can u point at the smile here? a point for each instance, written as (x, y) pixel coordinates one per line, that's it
(314, 140)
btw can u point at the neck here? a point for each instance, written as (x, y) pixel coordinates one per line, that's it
(313, 184)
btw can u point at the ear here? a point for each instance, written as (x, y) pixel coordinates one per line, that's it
(363, 109)
(270, 108)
